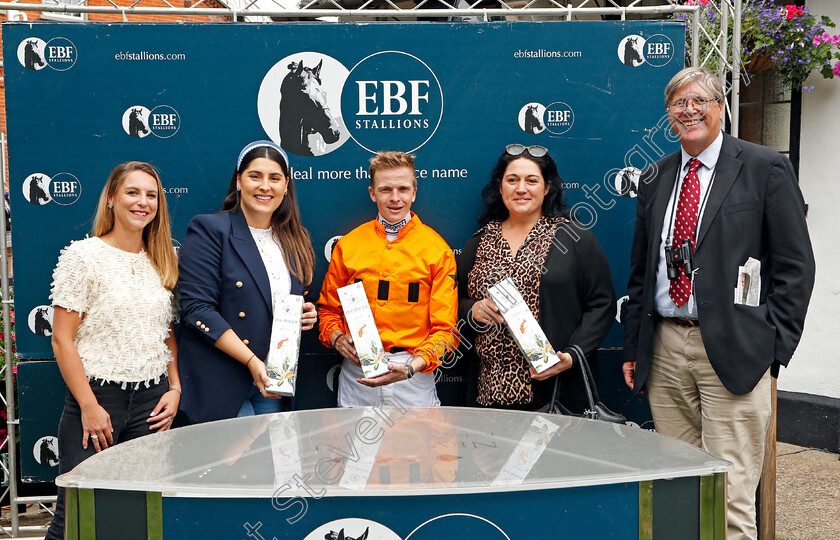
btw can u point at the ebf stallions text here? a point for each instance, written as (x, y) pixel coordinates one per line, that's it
(390, 123)
(393, 103)
(542, 53)
(143, 55)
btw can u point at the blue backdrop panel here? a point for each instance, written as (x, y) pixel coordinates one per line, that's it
(41, 393)
(85, 97)
(587, 512)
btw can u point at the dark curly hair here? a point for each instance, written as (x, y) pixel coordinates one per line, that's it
(554, 203)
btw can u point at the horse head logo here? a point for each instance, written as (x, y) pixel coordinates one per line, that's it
(136, 125)
(332, 535)
(626, 182)
(43, 326)
(31, 56)
(37, 192)
(306, 123)
(46, 452)
(629, 184)
(632, 54)
(532, 120)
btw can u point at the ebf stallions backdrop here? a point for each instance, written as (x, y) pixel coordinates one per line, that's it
(83, 97)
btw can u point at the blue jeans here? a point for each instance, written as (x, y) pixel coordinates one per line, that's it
(129, 409)
(255, 403)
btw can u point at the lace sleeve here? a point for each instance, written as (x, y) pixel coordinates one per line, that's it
(72, 283)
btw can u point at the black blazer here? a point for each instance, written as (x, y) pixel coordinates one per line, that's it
(577, 305)
(754, 209)
(223, 284)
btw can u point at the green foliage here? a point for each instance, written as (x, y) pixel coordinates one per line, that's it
(790, 40)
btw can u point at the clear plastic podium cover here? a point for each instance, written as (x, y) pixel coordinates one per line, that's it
(388, 451)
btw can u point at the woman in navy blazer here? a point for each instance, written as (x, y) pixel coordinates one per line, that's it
(230, 264)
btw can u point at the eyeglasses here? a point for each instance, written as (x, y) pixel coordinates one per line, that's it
(683, 104)
(535, 151)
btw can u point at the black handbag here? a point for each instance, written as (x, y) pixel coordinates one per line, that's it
(596, 410)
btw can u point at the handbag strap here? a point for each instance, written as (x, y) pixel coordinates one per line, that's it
(587, 372)
(597, 410)
(591, 393)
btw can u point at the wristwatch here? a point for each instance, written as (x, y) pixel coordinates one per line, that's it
(409, 371)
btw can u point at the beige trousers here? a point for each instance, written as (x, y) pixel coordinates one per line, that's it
(689, 402)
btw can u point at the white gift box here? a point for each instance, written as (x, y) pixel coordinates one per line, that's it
(284, 346)
(363, 330)
(527, 452)
(285, 449)
(522, 325)
(358, 469)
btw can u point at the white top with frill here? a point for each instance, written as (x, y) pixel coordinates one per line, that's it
(272, 257)
(126, 310)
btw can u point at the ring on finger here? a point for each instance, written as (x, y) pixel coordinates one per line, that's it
(94, 437)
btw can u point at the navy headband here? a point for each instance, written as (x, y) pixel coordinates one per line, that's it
(257, 144)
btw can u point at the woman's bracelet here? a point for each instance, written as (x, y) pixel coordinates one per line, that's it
(336, 340)
(249, 360)
(176, 387)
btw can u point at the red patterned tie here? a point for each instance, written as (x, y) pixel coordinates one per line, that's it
(686, 222)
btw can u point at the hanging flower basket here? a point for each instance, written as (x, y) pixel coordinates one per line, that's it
(757, 63)
(789, 40)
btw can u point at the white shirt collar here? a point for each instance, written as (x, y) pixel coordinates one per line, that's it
(393, 226)
(707, 157)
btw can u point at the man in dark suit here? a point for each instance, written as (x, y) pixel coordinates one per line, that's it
(703, 355)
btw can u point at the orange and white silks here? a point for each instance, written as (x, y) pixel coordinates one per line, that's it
(410, 283)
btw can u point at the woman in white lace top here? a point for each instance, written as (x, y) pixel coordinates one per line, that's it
(112, 329)
(231, 263)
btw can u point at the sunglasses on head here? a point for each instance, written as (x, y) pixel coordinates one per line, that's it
(535, 151)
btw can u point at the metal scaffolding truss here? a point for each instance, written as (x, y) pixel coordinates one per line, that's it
(236, 10)
(720, 49)
(723, 50)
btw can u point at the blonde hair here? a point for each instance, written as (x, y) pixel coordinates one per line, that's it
(701, 75)
(156, 235)
(383, 161)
